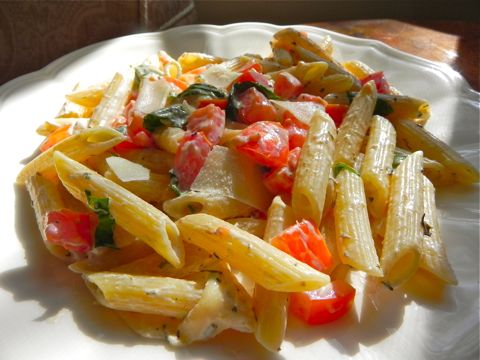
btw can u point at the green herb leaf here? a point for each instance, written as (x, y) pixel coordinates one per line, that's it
(173, 116)
(382, 107)
(202, 90)
(338, 167)
(106, 223)
(174, 183)
(234, 104)
(397, 159)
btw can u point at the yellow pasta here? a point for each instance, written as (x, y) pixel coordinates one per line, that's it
(313, 169)
(130, 212)
(263, 263)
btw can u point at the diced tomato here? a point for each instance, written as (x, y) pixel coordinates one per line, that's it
(253, 75)
(254, 106)
(190, 157)
(55, 137)
(137, 136)
(323, 305)
(297, 130)
(265, 142)
(381, 83)
(72, 230)
(337, 113)
(312, 98)
(287, 86)
(304, 242)
(221, 103)
(210, 120)
(280, 180)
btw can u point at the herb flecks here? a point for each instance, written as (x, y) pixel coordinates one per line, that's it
(427, 228)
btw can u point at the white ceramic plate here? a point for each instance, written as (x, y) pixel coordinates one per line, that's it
(46, 312)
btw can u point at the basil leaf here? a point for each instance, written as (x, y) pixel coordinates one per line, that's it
(202, 90)
(173, 116)
(106, 223)
(382, 108)
(234, 104)
(338, 167)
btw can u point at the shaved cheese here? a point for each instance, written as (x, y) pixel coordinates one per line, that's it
(127, 170)
(302, 110)
(152, 95)
(229, 173)
(219, 76)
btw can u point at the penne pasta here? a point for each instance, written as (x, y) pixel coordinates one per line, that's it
(168, 138)
(313, 169)
(403, 240)
(252, 225)
(377, 165)
(413, 137)
(130, 212)
(263, 263)
(434, 257)
(355, 125)
(78, 147)
(145, 294)
(354, 238)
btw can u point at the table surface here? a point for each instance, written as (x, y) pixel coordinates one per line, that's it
(455, 43)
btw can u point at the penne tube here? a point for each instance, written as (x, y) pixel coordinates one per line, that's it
(271, 307)
(45, 195)
(262, 262)
(377, 165)
(361, 70)
(403, 240)
(78, 147)
(352, 228)
(193, 202)
(129, 211)
(113, 100)
(412, 137)
(355, 125)
(313, 170)
(145, 294)
(434, 257)
(151, 326)
(158, 161)
(331, 84)
(88, 97)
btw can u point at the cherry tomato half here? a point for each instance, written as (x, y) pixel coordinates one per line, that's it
(190, 157)
(323, 305)
(210, 120)
(304, 242)
(254, 106)
(381, 83)
(70, 229)
(287, 86)
(265, 142)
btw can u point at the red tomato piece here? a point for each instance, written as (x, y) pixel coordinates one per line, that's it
(55, 137)
(287, 86)
(253, 75)
(337, 113)
(72, 230)
(265, 142)
(251, 64)
(312, 98)
(323, 305)
(280, 180)
(381, 83)
(190, 157)
(210, 120)
(137, 136)
(221, 103)
(304, 242)
(254, 106)
(297, 130)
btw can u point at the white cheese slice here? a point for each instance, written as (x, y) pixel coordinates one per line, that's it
(127, 170)
(302, 110)
(231, 174)
(219, 76)
(152, 95)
